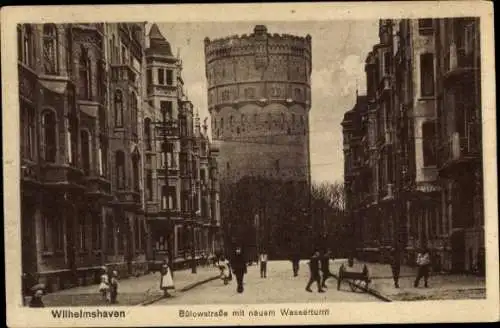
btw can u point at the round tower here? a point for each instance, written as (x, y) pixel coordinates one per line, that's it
(259, 96)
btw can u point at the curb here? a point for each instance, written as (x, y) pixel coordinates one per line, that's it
(184, 289)
(370, 291)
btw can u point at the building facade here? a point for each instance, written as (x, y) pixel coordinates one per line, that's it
(180, 164)
(87, 157)
(419, 134)
(80, 169)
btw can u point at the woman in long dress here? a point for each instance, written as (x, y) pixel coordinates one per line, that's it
(166, 282)
(104, 285)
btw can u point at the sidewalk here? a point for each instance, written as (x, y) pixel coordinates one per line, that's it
(441, 286)
(131, 291)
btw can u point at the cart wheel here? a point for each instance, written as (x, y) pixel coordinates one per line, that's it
(354, 285)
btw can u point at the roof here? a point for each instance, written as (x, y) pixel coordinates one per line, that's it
(157, 43)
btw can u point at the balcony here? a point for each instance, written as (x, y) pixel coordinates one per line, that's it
(167, 129)
(459, 64)
(61, 175)
(123, 73)
(97, 186)
(459, 148)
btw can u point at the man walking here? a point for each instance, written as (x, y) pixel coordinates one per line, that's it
(325, 267)
(395, 266)
(314, 272)
(239, 267)
(263, 264)
(423, 263)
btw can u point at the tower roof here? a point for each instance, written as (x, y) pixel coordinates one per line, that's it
(157, 42)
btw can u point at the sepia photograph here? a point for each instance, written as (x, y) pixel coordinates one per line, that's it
(180, 163)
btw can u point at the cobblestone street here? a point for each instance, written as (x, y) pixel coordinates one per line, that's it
(279, 287)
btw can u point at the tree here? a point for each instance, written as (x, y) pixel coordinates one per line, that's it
(329, 218)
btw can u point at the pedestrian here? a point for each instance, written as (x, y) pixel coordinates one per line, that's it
(314, 272)
(104, 285)
(263, 264)
(423, 263)
(395, 266)
(325, 267)
(166, 280)
(36, 299)
(225, 270)
(295, 263)
(113, 290)
(238, 264)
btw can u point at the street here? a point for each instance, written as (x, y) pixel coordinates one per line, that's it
(279, 287)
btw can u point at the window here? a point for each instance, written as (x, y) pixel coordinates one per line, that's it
(275, 92)
(133, 113)
(277, 165)
(118, 108)
(427, 74)
(222, 123)
(166, 110)
(82, 232)
(225, 95)
(255, 118)
(231, 121)
(425, 26)
(50, 49)
(147, 133)
(249, 93)
(161, 76)
(96, 232)
(120, 169)
(101, 81)
(293, 119)
(170, 77)
(149, 76)
(135, 171)
(85, 81)
(387, 63)
(167, 155)
(149, 186)
(85, 146)
(103, 157)
(124, 55)
(110, 235)
(28, 48)
(429, 143)
(168, 198)
(49, 136)
(269, 120)
(298, 94)
(28, 135)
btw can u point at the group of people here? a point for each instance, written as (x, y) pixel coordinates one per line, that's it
(423, 261)
(237, 265)
(319, 262)
(108, 288)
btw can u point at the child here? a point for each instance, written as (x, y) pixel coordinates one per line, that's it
(114, 287)
(166, 281)
(36, 299)
(104, 285)
(225, 271)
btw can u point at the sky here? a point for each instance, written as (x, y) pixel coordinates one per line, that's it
(339, 49)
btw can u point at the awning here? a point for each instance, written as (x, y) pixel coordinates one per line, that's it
(55, 86)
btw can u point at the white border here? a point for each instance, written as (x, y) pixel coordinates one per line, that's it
(396, 312)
